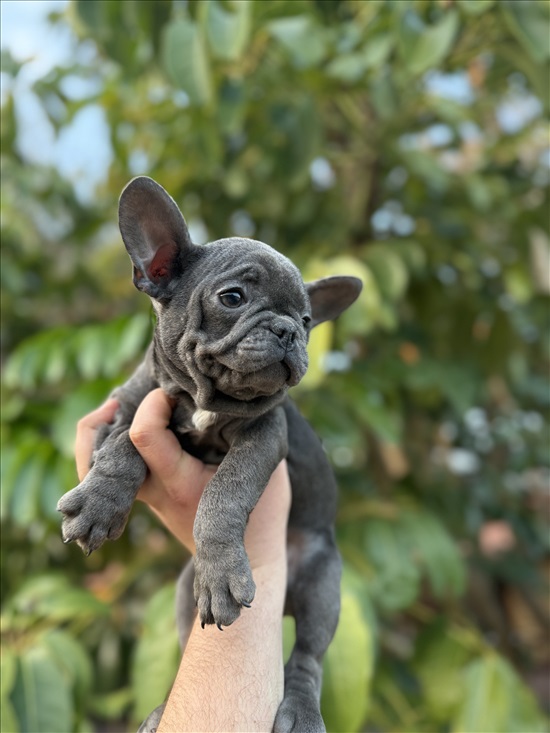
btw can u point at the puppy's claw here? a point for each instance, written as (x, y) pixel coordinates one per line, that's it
(219, 626)
(246, 605)
(203, 624)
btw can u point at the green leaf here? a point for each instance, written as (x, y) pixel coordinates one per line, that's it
(529, 22)
(384, 95)
(8, 717)
(22, 367)
(111, 705)
(9, 64)
(8, 671)
(25, 496)
(77, 403)
(53, 598)
(475, 7)
(536, 73)
(90, 352)
(519, 283)
(427, 167)
(365, 312)
(186, 61)
(289, 636)
(41, 696)
(72, 659)
(396, 583)
(349, 662)
(85, 725)
(351, 67)
(45, 356)
(434, 549)
(385, 421)
(303, 39)
(9, 465)
(389, 270)
(496, 699)
(439, 662)
(92, 14)
(135, 334)
(424, 47)
(377, 50)
(320, 343)
(412, 254)
(228, 30)
(157, 653)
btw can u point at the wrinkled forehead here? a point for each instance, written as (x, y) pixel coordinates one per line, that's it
(257, 262)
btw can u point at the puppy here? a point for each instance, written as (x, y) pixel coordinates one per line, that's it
(233, 321)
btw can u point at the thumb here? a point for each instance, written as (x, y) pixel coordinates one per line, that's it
(149, 433)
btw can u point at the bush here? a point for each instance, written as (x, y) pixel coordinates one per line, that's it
(404, 142)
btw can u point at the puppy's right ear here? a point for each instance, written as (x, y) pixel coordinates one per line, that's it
(155, 235)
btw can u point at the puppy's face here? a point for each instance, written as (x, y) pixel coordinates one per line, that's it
(233, 316)
(254, 321)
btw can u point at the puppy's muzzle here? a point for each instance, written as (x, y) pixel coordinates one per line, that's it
(286, 333)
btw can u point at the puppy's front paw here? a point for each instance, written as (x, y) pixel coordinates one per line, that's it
(223, 584)
(90, 516)
(299, 713)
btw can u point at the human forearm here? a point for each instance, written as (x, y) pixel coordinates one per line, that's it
(232, 681)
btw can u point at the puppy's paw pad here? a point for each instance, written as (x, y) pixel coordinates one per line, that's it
(90, 517)
(72, 502)
(242, 588)
(298, 714)
(225, 609)
(220, 592)
(217, 608)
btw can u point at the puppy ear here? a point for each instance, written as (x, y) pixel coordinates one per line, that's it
(155, 235)
(330, 296)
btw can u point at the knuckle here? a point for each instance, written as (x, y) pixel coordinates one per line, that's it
(83, 424)
(140, 438)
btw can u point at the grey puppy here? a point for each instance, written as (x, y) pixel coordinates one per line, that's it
(233, 320)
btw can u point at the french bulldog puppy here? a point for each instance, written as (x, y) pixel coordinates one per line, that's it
(233, 320)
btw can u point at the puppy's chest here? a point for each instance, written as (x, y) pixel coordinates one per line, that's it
(201, 433)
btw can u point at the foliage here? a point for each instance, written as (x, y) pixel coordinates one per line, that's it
(405, 142)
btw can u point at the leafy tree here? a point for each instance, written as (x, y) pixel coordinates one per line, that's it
(405, 142)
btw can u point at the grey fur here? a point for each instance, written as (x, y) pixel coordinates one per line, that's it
(228, 365)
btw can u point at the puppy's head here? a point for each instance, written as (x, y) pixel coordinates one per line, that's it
(233, 316)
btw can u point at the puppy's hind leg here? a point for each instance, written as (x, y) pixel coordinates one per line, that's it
(313, 598)
(152, 722)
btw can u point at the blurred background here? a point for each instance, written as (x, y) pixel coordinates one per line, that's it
(403, 142)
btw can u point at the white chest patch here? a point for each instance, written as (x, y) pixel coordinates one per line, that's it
(203, 419)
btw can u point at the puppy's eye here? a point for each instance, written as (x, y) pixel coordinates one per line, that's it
(232, 298)
(306, 320)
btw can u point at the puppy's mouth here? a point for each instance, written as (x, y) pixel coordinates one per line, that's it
(248, 386)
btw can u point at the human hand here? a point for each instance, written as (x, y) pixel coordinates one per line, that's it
(176, 480)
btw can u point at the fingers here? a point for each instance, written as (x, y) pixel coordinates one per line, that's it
(157, 445)
(85, 434)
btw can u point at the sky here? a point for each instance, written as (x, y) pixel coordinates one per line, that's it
(82, 150)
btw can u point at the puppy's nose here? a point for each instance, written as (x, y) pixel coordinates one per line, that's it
(286, 332)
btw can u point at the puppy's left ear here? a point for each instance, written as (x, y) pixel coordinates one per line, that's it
(330, 296)
(155, 235)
